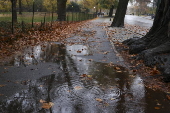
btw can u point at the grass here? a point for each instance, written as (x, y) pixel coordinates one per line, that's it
(24, 23)
(27, 17)
(39, 17)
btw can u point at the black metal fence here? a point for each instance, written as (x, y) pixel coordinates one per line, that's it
(39, 21)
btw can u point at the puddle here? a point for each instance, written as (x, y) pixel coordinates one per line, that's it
(54, 78)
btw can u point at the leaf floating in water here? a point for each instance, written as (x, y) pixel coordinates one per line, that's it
(47, 105)
(89, 76)
(117, 68)
(42, 101)
(112, 99)
(99, 100)
(78, 51)
(78, 87)
(90, 59)
(83, 75)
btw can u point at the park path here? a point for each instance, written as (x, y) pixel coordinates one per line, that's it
(81, 74)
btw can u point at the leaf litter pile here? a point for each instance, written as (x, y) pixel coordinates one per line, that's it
(58, 32)
(117, 36)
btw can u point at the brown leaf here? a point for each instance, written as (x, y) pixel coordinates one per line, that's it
(90, 59)
(78, 51)
(83, 75)
(2, 85)
(116, 68)
(168, 97)
(157, 107)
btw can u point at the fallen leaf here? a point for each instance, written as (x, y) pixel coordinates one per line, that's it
(116, 68)
(83, 75)
(119, 71)
(47, 105)
(112, 99)
(42, 101)
(168, 96)
(78, 87)
(157, 107)
(90, 59)
(89, 76)
(99, 100)
(78, 51)
(2, 85)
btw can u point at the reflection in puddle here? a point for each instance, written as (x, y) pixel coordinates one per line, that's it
(79, 85)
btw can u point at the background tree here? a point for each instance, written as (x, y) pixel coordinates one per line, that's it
(5, 5)
(50, 5)
(118, 20)
(61, 10)
(89, 4)
(109, 4)
(73, 7)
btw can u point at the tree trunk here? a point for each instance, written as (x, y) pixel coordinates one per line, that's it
(111, 11)
(14, 11)
(61, 10)
(20, 7)
(158, 33)
(154, 47)
(118, 20)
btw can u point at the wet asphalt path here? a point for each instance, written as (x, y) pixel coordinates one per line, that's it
(83, 74)
(139, 21)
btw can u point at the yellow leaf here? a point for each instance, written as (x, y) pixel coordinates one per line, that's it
(112, 99)
(89, 76)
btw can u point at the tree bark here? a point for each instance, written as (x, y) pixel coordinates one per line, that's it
(118, 20)
(111, 11)
(61, 10)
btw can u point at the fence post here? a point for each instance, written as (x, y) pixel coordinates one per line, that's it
(33, 14)
(44, 18)
(23, 28)
(72, 17)
(52, 19)
(67, 18)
